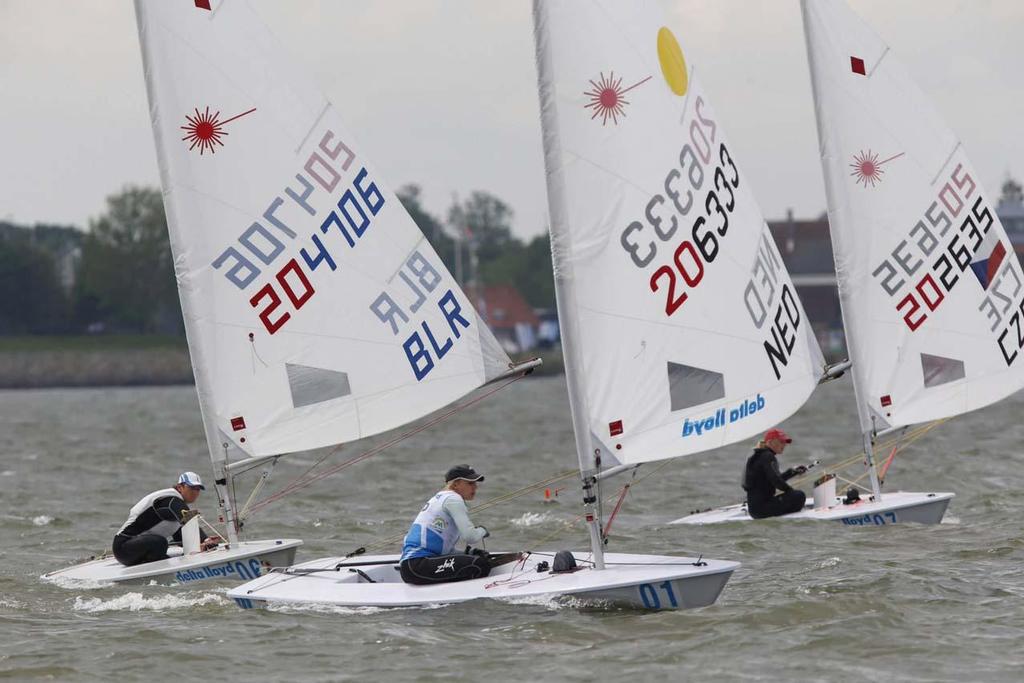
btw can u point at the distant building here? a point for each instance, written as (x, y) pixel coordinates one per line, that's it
(506, 312)
(1011, 212)
(548, 332)
(806, 249)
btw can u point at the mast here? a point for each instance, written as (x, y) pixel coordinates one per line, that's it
(217, 446)
(831, 197)
(565, 294)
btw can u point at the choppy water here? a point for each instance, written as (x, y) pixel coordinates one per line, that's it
(812, 601)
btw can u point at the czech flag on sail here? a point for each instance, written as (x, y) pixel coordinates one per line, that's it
(987, 259)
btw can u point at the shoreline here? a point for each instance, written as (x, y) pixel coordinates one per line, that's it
(49, 368)
(94, 368)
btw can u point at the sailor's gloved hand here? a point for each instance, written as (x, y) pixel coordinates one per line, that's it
(800, 469)
(211, 543)
(479, 552)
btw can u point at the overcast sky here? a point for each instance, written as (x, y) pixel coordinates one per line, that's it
(443, 93)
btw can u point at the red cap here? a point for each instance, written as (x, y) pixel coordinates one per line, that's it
(773, 434)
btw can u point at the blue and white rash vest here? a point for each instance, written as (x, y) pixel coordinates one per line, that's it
(439, 526)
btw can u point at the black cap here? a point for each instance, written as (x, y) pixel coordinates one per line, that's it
(462, 472)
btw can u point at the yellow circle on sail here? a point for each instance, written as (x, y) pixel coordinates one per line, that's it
(673, 66)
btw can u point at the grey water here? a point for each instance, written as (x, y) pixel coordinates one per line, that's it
(813, 601)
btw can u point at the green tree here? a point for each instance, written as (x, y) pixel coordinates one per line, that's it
(430, 226)
(486, 221)
(502, 258)
(528, 267)
(126, 275)
(537, 283)
(32, 300)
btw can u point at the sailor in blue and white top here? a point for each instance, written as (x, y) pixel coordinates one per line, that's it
(428, 554)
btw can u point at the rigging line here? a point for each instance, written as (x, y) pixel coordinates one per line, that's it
(524, 490)
(297, 485)
(255, 490)
(301, 478)
(884, 469)
(618, 505)
(385, 542)
(568, 525)
(906, 440)
(215, 530)
(377, 449)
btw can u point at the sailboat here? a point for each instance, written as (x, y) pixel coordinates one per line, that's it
(932, 294)
(315, 310)
(669, 292)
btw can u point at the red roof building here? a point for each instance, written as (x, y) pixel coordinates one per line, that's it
(508, 315)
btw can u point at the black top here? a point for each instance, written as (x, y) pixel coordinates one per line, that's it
(761, 476)
(166, 509)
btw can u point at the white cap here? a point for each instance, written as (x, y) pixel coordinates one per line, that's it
(191, 479)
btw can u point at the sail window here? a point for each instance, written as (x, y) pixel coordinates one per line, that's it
(938, 370)
(689, 386)
(314, 385)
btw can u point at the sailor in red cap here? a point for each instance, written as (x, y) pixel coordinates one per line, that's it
(761, 479)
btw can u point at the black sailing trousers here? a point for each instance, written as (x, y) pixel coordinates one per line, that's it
(444, 569)
(782, 504)
(133, 550)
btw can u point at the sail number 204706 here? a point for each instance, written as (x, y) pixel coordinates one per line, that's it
(260, 246)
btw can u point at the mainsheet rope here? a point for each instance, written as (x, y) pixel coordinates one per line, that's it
(905, 439)
(517, 572)
(306, 479)
(505, 498)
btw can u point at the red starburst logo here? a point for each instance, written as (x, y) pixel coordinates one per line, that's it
(868, 169)
(205, 130)
(606, 97)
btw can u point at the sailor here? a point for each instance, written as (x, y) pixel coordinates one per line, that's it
(428, 553)
(761, 479)
(157, 519)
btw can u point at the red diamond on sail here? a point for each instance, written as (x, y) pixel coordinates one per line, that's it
(857, 65)
(238, 423)
(203, 4)
(886, 401)
(615, 428)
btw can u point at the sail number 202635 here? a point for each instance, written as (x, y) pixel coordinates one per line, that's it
(700, 245)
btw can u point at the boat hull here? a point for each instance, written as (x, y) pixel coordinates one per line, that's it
(894, 508)
(241, 562)
(631, 581)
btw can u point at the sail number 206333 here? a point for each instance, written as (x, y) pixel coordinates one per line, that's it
(664, 213)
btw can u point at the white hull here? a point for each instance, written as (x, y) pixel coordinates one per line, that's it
(243, 561)
(894, 508)
(638, 581)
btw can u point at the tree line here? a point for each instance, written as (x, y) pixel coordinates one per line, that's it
(118, 276)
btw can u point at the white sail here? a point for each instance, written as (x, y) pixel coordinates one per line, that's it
(932, 292)
(681, 327)
(316, 311)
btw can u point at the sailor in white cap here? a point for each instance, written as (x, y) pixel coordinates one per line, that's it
(156, 520)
